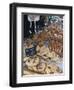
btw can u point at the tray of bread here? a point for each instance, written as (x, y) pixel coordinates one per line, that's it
(44, 52)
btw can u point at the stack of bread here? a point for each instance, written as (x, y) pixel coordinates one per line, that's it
(41, 62)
